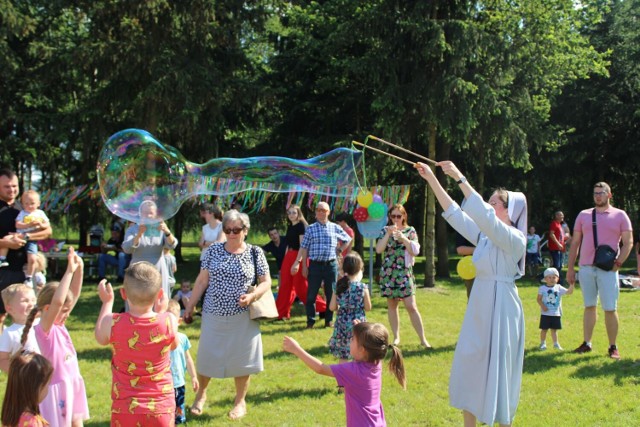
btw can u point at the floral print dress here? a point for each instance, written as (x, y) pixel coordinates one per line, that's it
(350, 307)
(396, 279)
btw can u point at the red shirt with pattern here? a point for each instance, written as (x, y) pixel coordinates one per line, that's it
(140, 366)
(27, 419)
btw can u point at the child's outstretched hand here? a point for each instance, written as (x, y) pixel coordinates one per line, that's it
(105, 291)
(290, 345)
(72, 260)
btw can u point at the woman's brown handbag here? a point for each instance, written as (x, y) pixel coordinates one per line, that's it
(264, 308)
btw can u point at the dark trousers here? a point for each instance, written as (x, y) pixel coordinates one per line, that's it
(556, 259)
(181, 412)
(319, 273)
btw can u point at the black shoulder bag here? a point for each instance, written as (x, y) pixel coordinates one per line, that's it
(605, 255)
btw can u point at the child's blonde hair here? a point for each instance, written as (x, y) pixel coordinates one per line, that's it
(374, 338)
(45, 296)
(41, 262)
(10, 292)
(28, 374)
(174, 307)
(28, 193)
(142, 282)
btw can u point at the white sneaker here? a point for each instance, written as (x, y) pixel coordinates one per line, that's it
(557, 346)
(543, 346)
(4, 264)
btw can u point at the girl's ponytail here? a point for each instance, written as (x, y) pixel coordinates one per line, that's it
(396, 365)
(30, 318)
(44, 298)
(374, 338)
(342, 285)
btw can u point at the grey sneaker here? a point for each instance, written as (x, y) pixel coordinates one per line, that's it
(557, 346)
(543, 346)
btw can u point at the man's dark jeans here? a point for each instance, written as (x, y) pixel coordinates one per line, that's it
(320, 272)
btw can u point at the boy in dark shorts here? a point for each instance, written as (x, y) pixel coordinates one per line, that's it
(550, 301)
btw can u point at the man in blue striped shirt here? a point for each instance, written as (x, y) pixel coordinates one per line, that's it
(322, 243)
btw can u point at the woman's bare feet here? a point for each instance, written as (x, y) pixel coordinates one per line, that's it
(238, 411)
(198, 404)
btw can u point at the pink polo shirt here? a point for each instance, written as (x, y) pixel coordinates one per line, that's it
(611, 224)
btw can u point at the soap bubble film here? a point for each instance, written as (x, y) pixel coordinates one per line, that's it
(133, 167)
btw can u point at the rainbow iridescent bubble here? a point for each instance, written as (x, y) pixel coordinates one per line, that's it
(134, 167)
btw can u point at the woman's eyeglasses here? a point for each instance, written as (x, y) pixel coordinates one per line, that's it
(394, 216)
(292, 212)
(233, 230)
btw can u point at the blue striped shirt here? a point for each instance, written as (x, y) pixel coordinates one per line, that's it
(321, 240)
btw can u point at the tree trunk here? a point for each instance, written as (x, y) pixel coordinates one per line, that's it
(178, 228)
(442, 241)
(430, 215)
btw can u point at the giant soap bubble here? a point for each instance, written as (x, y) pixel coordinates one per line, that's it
(133, 167)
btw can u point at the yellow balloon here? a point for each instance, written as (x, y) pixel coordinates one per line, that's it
(466, 269)
(365, 199)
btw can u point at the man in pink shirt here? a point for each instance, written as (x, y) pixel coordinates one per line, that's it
(613, 226)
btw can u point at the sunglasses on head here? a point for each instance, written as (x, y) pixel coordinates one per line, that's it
(233, 230)
(395, 216)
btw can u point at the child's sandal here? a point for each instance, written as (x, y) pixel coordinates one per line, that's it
(340, 389)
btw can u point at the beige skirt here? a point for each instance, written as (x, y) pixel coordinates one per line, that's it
(230, 346)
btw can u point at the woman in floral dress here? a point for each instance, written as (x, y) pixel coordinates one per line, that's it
(399, 243)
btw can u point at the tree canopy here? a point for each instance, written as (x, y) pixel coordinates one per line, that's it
(539, 96)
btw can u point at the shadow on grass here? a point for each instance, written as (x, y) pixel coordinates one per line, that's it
(588, 366)
(536, 361)
(268, 397)
(102, 353)
(418, 350)
(618, 370)
(319, 351)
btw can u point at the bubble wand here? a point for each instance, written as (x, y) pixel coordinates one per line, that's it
(432, 162)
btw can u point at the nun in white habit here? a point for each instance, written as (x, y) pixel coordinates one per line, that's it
(487, 365)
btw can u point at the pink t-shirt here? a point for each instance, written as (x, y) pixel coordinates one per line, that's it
(611, 224)
(362, 382)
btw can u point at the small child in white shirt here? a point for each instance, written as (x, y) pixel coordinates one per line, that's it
(18, 300)
(550, 301)
(183, 295)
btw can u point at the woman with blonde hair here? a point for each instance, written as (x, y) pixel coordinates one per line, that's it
(292, 285)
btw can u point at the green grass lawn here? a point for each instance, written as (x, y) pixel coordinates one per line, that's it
(558, 389)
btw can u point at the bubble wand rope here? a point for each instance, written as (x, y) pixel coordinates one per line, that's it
(389, 154)
(361, 188)
(432, 162)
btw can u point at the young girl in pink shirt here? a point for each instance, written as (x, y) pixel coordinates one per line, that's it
(362, 377)
(66, 402)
